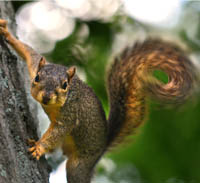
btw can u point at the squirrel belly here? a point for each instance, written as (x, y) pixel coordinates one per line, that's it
(84, 113)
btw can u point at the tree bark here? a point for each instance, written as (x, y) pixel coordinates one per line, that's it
(17, 123)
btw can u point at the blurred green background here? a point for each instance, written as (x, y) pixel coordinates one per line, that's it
(166, 149)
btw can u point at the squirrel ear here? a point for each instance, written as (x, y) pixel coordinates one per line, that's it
(41, 63)
(70, 72)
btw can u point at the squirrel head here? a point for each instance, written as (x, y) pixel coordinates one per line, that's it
(51, 84)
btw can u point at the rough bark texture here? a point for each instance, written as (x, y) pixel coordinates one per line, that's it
(17, 123)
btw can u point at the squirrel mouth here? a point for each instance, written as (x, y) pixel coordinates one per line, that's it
(49, 100)
(46, 100)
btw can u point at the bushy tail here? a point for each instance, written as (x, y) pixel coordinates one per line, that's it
(131, 80)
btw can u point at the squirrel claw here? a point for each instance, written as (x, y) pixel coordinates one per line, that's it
(31, 142)
(31, 149)
(35, 155)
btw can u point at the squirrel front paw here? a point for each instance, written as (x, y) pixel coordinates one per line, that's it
(37, 150)
(3, 27)
(3, 23)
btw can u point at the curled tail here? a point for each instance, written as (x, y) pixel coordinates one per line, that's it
(131, 80)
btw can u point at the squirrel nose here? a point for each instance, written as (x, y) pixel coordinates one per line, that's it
(45, 99)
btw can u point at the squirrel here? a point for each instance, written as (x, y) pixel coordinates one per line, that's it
(78, 122)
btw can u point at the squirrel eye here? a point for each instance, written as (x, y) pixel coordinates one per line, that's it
(37, 78)
(64, 86)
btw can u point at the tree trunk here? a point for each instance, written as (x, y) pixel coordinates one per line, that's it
(17, 123)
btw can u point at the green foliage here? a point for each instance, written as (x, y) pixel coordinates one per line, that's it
(161, 76)
(167, 146)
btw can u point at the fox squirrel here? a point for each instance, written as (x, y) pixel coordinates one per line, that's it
(78, 122)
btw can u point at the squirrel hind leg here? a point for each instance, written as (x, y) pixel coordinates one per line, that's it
(79, 169)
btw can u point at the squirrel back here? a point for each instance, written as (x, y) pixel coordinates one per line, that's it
(130, 82)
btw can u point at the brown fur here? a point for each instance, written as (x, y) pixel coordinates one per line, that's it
(130, 82)
(78, 122)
